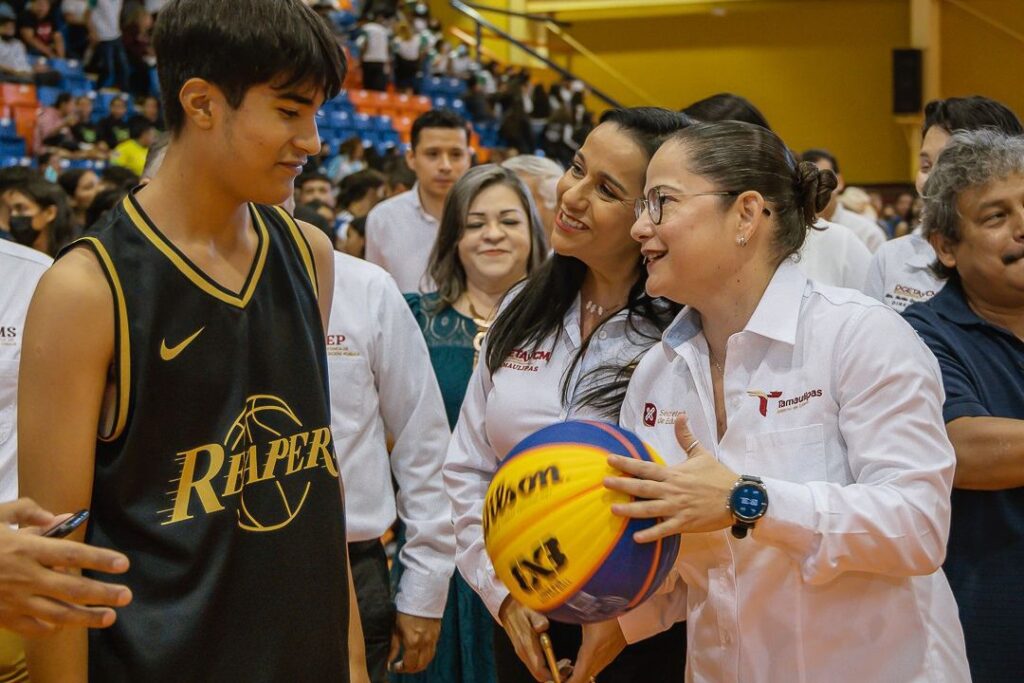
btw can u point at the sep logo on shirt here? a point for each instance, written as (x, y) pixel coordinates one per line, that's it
(337, 345)
(652, 416)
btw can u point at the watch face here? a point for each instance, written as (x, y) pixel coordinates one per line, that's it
(748, 502)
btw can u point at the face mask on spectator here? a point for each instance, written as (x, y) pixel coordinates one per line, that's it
(22, 230)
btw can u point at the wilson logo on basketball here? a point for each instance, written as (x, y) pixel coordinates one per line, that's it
(271, 463)
(504, 497)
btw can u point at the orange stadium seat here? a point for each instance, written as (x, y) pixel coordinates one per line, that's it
(360, 99)
(25, 121)
(18, 95)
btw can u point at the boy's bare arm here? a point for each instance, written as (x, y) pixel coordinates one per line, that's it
(66, 356)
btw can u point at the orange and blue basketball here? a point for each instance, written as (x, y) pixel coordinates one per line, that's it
(550, 532)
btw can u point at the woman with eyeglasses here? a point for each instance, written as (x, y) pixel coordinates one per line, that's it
(808, 468)
(563, 347)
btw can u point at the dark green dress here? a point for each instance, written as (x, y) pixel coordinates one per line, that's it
(465, 649)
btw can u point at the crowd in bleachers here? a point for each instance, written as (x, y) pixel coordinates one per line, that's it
(79, 95)
(830, 375)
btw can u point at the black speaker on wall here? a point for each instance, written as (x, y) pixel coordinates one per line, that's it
(906, 81)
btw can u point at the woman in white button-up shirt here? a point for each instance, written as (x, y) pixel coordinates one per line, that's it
(563, 347)
(826, 395)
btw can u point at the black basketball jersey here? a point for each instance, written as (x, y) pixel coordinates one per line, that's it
(218, 477)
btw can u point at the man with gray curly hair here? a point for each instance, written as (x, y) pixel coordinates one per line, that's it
(541, 177)
(974, 218)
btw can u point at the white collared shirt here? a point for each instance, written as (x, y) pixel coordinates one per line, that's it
(836, 404)
(20, 270)
(866, 230)
(900, 273)
(501, 409)
(382, 383)
(400, 235)
(834, 256)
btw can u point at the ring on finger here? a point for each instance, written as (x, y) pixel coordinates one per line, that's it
(689, 449)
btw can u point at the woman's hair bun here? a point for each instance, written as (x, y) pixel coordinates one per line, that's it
(813, 189)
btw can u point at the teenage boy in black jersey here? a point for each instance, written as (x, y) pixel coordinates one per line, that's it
(189, 327)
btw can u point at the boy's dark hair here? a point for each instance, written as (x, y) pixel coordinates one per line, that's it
(68, 180)
(309, 213)
(355, 186)
(120, 177)
(103, 201)
(310, 176)
(970, 113)
(816, 155)
(62, 99)
(15, 175)
(726, 107)
(437, 118)
(358, 225)
(400, 174)
(241, 44)
(138, 126)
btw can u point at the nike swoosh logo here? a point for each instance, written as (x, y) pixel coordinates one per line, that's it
(174, 351)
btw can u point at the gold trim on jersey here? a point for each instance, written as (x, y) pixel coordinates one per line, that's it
(305, 251)
(122, 343)
(197, 276)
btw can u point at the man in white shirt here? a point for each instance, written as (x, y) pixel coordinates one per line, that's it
(869, 232)
(400, 232)
(20, 270)
(105, 19)
(832, 255)
(900, 272)
(383, 385)
(375, 43)
(13, 56)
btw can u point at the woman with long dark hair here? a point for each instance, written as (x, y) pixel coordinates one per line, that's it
(564, 347)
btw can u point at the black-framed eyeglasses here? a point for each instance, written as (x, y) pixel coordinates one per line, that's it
(656, 199)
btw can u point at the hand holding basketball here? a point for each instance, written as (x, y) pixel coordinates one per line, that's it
(689, 497)
(524, 626)
(602, 643)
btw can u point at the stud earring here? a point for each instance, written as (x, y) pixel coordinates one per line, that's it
(741, 240)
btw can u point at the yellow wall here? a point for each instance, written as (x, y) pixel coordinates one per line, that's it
(819, 71)
(978, 59)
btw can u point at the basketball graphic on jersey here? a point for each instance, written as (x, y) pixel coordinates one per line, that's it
(264, 468)
(265, 503)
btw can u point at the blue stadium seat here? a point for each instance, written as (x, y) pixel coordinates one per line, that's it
(363, 122)
(67, 67)
(381, 123)
(47, 96)
(8, 131)
(6, 161)
(12, 148)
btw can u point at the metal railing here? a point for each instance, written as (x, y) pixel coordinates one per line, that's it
(481, 23)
